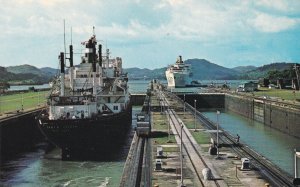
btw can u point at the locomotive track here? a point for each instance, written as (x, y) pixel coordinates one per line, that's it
(272, 173)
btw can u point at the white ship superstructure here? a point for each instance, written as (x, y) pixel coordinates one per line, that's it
(88, 91)
(89, 105)
(178, 74)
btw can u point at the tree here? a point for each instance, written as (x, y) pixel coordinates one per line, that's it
(274, 74)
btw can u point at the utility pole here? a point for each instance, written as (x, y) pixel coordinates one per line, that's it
(22, 102)
(296, 180)
(183, 105)
(181, 156)
(195, 101)
(297, 74)
(218, 113)
(38, 97)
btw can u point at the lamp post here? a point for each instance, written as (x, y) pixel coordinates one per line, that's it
(22, 101)
(183, 105)
(168, 124)
(195, 101)
(0, 105)
(296, 173)
(181, 156)
(296, 180)
(160, 101)
(38, 97)
(218, 113)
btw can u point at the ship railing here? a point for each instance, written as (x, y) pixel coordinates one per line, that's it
(71, 100)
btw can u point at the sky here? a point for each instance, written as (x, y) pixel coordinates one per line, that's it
(152, 33)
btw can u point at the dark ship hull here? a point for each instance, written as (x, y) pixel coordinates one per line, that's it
(81, 137)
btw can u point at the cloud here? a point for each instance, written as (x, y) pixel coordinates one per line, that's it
(267, 23)
(290, 6)
(194, 28)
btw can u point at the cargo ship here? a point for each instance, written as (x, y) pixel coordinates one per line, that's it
(89, 106)
(178, 74)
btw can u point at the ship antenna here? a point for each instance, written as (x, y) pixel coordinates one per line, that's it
(65, 37)
(94, 30)
(106, 45)
(71, 35)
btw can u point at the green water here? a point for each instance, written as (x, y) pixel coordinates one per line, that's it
(39, 167)
(49, 170)
(274, 145)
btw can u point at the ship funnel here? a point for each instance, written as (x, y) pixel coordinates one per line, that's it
(100, 55)
(62, 73)
(62, 62)
(180, 59)
(71, 56)
(94, 59)
(94, 66)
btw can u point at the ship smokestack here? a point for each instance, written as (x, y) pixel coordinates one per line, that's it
(100, 65)
(94, 59)
(62, 62)
(71, 55)
(180, 59)
(62, 73)
(71, 67)
(94, 69)
(100, 54)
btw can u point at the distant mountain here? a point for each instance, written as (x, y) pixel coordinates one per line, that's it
(201, 70)
(137, 73)
(22, 78)
(205, 70)
(243, 69)
(24, 69)
(50, 71)
(5, 76)
(26, 74)
(262, 71)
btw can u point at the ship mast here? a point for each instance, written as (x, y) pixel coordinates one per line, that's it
(100, 65)
(62, 73)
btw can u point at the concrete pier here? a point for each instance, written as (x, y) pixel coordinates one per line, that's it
(18, 132)
(168, 114)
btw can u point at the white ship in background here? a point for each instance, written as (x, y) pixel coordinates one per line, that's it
(178, 74)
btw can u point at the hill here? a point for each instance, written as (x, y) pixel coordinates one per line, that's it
(50, 71)
(137, 73)
(5, 76)
(201, 70)
(22, 78)
(21, 69)
(262, 71)
(205, 70)
(243, 69)
(25, 74)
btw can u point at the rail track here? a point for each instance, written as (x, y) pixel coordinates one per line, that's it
(193, 154)
(137, 171)
(275, 175)
(191, 149)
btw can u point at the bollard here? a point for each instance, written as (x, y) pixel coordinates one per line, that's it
(206, 174)
(212, 150)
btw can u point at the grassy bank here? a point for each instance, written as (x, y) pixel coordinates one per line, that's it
(160, 127)
(283, 94)
(28, 100)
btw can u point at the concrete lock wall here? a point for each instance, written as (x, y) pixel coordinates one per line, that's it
(17, 134)
(137, 99)
(242, 106)
(284, 119)
(205, 101)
